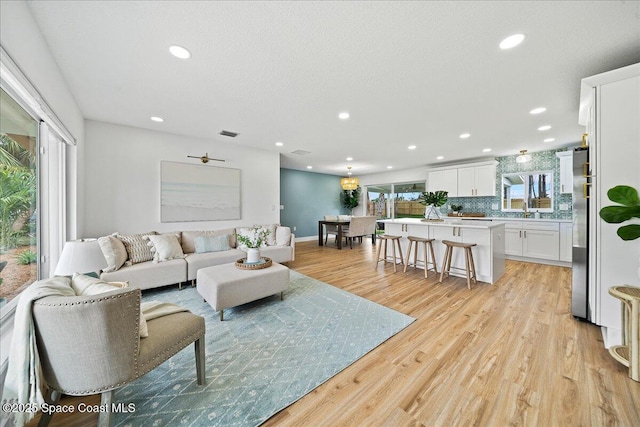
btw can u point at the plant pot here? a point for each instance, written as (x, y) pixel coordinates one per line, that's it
(432, 212)
(253, 255)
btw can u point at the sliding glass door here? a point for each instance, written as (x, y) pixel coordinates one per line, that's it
(19, 248)
(397, 200)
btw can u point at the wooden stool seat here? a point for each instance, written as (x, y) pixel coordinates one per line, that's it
(468, 260)
(629, 352)
(425, 242)
(395, 241)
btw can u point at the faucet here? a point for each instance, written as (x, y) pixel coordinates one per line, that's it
(524, 211)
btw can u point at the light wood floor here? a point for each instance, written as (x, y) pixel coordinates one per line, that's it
(495, 355)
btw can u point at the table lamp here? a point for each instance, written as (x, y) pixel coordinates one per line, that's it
(80, 256)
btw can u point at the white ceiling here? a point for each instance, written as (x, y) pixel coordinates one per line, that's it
(416, 73)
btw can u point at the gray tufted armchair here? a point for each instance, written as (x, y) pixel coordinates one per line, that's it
(91, 344)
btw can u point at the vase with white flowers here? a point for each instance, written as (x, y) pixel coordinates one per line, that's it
(253, 240)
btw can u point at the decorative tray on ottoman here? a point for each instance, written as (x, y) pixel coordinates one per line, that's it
(244, 265)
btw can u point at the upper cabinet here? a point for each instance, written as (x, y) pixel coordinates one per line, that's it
(444, 180)
(469, 180)
(566, 171)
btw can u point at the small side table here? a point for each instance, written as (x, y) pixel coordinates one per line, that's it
(629, 353)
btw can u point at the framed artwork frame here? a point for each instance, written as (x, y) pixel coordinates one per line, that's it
(199, 192)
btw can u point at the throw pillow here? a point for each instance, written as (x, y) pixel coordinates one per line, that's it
(212, 244)
(137, 247)
(165, 247)
(114, 252)
(87, 285)
(283, 236)
(271, 237)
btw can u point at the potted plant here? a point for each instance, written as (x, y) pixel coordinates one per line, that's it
(350, 198)
(253, 241)
(433, 200)
(456, 209)
(627, 209)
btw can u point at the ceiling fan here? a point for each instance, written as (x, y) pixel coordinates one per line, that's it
(205, 158)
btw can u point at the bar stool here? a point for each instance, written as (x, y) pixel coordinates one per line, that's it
(468, 261)
(629, 353)
(425, 242)
(395, 241)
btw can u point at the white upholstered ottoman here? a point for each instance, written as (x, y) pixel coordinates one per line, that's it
(224, 286)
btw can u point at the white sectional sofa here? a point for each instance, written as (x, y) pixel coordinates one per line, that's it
(184, 262)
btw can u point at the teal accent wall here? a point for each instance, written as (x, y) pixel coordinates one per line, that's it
(540, 161)
(307, 197)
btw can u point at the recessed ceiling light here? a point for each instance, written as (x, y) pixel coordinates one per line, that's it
(157, 119)
(179, 52)
(344, 115)
(486, 150)
(412, 147)
(538, 110)
(545, 127)
(439, 157)
(279, 144)
(465, 135)
(309, 167)
(511, 41)
(389, 167)
(349, 159)
(549, 140)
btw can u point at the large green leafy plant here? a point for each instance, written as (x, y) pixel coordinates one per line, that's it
(628, 208)
(435, 198)
(350, 198)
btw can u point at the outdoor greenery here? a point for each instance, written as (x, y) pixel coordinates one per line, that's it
(350, 198)
(17, 192)
(628, 208)
(27, 257)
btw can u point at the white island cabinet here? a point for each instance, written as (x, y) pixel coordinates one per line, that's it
(488, 254)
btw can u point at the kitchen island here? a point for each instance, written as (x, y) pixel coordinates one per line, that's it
(489, 236)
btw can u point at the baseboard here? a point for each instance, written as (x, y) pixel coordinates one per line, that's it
(306, 238)
(611, 336)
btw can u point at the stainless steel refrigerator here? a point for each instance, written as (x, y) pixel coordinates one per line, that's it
(580, 251)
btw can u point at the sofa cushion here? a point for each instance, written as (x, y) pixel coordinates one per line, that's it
(198, 261)
(164, 247)
(188, 238)
(137, 248)
(87, 285)
(148, 274)
(212, 244)
(278, 254)
(114, 252)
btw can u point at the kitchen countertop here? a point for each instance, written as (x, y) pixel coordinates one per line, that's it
(503, 219)
(462, 223)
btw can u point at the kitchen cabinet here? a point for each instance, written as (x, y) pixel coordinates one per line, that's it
(609, 108)
(477, 181)
(443, 180)
(566, 241)
(537, 240)
(566, 171)
(467, 180)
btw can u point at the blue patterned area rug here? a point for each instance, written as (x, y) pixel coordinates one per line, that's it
(262, 358)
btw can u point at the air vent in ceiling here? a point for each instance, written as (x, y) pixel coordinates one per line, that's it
(300, 152)
(228, 133)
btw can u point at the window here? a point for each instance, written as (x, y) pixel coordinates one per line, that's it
(533, 190)
(403, 195)
(19, 177)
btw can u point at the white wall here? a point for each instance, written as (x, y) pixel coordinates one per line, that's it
(122, 179)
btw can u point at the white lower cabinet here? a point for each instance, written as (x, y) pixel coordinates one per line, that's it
(566, 241)
(482, 252)
(531, 239)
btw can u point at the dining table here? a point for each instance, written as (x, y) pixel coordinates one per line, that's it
(337, 223)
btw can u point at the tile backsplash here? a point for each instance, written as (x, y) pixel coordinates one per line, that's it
(540, 161)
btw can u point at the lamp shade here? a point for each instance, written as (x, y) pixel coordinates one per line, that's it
(349, 183)
(80, 256)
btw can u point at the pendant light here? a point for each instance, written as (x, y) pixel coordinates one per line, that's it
(523, 157)
(349, 183)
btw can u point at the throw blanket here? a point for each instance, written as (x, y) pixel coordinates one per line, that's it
(23, 383)
(154, 309)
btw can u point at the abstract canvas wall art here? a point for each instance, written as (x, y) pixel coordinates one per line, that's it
(198, 192)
